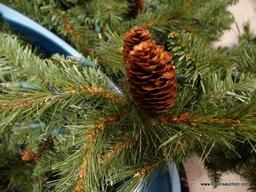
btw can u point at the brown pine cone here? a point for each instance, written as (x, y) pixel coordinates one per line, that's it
(135, 6)
(151, 77)
(134, 37)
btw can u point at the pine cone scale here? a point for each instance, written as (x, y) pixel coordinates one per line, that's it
(152, 93)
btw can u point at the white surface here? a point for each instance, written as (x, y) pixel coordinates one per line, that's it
(196, 175)
(244, 11)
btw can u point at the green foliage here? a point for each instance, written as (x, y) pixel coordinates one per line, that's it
(191, 56)
(88, 24)
(90, 137)
(46, 91)
(110, 54)
(108, 12)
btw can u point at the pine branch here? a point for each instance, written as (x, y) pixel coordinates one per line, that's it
(66, 85)
(30, 99)
(191, 58)
(244, 58)
(215, 107)
(117, 149)
(108, 13)
(84, 161)
(110, 54)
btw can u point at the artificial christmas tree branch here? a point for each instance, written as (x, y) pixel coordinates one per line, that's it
(35, 99)
(175, 141)
(190, 99)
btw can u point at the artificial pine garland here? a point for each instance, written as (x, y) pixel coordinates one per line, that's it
(105, 141)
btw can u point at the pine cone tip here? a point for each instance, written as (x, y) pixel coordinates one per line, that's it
(134, 37)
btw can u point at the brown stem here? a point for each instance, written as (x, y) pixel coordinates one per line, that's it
(88, 145)
(117, 149)
(46, 98)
